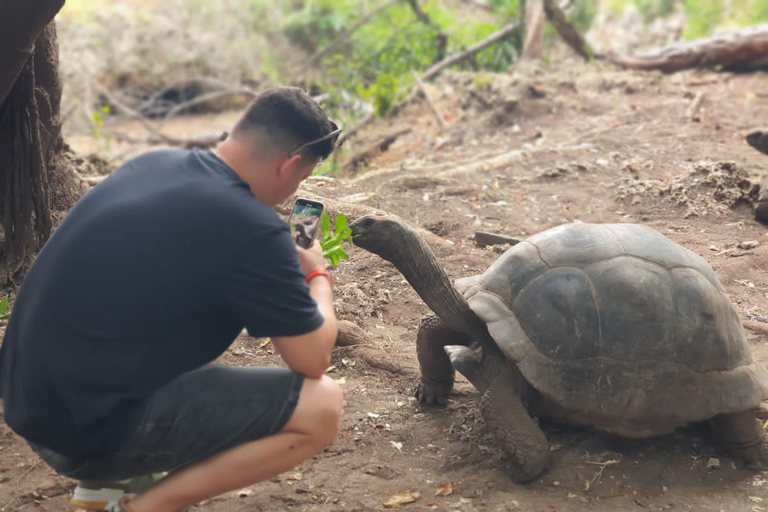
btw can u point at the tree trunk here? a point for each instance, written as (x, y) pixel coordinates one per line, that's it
(533, 48)
(731, 49)
(38, 183)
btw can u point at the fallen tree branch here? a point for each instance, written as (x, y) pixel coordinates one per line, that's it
(435, 109)
(494, 38)
(733, 48)
(156, 136)
(348, 132)
(205, 98)
(204, 141)
(566, 30)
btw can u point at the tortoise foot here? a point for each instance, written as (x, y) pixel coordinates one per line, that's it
(744, 437)
(755, 458)
(433, 391)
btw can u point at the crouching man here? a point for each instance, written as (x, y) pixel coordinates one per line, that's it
(151, 276)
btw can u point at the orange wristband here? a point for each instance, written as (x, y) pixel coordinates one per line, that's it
(316, 273)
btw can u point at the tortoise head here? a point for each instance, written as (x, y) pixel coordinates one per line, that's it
(383, 235)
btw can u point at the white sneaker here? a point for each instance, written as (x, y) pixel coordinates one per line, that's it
(100, 495)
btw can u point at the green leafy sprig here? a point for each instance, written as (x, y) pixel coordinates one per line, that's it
(4, 313)
(332, 242)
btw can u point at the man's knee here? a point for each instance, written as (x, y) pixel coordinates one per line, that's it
(318, 413)
(329, 410)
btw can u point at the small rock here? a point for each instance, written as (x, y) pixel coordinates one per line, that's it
(751, 244)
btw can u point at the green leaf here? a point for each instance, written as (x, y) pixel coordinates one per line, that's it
(341, 223)
(331, 242)
(326, 221)
(4, 313)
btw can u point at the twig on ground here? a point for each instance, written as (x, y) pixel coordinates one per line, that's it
(695, 105)
(28, 471)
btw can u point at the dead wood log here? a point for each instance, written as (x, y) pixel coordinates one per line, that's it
(735, 48)
(566, 30)
(494, 38)
(756, 326)
(382, 360)
(351, 334)
(435, 109)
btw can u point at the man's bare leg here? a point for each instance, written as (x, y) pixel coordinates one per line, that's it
(313, 426)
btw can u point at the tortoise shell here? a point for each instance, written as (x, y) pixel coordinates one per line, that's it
(618, 327)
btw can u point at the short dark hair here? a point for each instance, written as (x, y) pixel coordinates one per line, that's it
(289, 114)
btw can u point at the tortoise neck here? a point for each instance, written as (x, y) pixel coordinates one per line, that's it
(418, 264)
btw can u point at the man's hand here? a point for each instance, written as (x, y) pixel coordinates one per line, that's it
(312, 258)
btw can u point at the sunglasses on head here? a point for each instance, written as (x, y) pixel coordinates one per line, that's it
(333, 135)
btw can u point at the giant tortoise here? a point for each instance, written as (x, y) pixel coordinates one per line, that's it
(612, 326)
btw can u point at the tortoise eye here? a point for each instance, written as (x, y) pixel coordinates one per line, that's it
(368, 223)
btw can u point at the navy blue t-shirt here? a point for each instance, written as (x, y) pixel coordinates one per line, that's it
(152, 274)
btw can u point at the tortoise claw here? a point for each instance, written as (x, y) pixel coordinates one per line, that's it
(432, 391)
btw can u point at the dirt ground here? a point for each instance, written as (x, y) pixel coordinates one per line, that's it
(522, 152)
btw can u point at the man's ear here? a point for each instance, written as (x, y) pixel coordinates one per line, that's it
(288, 165)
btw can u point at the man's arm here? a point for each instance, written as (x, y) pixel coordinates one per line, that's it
(310, 354)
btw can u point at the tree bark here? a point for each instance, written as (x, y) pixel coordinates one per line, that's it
(533, 47)
(566, 30)
(37, 178)
(736, 48)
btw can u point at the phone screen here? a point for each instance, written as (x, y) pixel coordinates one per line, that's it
(305, 221)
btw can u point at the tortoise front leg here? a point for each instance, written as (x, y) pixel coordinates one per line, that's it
(502, 408)
(437, 372)
(744, 438)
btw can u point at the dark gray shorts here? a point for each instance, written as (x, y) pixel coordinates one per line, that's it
(195, 416)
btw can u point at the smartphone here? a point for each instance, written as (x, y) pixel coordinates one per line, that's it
(304, 221)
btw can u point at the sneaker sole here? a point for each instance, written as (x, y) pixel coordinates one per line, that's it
(97, 499)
